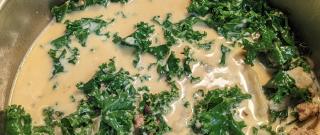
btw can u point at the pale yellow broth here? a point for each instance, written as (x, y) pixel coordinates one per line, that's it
(33, 88)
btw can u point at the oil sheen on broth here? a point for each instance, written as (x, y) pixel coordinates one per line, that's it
(35, 90)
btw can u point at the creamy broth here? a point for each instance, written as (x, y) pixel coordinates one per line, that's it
(35, 90)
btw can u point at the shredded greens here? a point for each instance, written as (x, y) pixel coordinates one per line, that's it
(181, 30)
(265, 34)
(110, 96)
(213, 114)
(63, 52)
(69, 6)
(153, 107)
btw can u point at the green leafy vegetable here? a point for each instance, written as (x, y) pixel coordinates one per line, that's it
(153, 107)
(69, 6)
(62, 45)
(17, 121)
(79, 122)
(265, 34)
(74, 56)
(112, 94)
(83, 27)
(50, 119)
(205, 46)
(140, 41)
(213, 114)
(224, 51)
(172, 68)
(283, 86)
(187, 61)
(239, 20)
(183, 29)
(274, 115)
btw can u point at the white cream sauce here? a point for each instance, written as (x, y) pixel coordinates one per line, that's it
(34, 90)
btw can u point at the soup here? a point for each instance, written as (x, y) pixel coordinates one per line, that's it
(129, 36)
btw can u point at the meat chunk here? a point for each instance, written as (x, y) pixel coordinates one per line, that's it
(301, 131)
(302, 78)
(138, 121)
(307, 110)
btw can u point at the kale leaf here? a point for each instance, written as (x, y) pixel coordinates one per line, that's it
(17, 121)
(238, 20)
(69, 6)
(79, 122)
(153, 107)
(281, 88)
(61, 47)
(111, 94)
(265, 34)
(172, 68)
(224, 51)
(213, 114)
(83, 27)
(51, 120)
(140, 41)
(182, 30)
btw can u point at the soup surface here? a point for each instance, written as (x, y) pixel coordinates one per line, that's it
(36, 89)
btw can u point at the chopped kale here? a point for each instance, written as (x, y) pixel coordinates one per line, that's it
(300, 62)
(56, 56)
(158, 103)
(17, 121)
(62, 45)
(69, 6)
(187, 61)
(83, 27)
(112, 94)
(153, 107)
(79, 122)
(121, 1)
(143, 78)
(224, 51)
(239, 20)
(140, 38)
(265, 34)
(140, 41)
(213, 114)
(282, 86)
(274, 115)
(205, 46)
(117, 115)
(160, 52)
(61, 42)
(182, 30)
(50, 119)
(268, 128)
(74, 56)
(172, 68)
